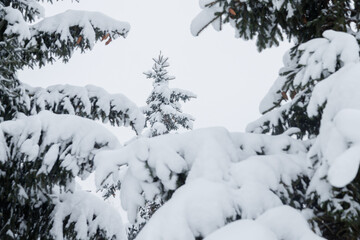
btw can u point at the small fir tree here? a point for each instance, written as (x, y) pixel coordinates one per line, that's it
(163, 111)
(163, 115)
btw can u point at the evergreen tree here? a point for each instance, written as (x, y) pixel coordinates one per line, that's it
(163, 111)
(268, 22)
(326, 37)
(42, 152)
(163, 115)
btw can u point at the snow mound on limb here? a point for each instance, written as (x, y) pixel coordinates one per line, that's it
(317, 58)
(206, 17)
(242, 196)
(287, 223)
(258, 179)
(89, 101)
(206, 167)
(29, 8)
(163, 160)
(251, 144)
(89, 213)
(70, 139)
(16, 23)
(313, 62)
(243, 229)
(196, 209)
(337, 144)
(281, 223)
(91, 23)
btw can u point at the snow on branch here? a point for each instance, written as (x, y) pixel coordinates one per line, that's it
(89, 101)
(16, 24)
(281, 222)
(338, 144)
(192, 172)
(88, 215)
(196, 209)
(316, 60)
(303, 68)
(40, 157)
(91, 26)
(59, 35)
(210, 15)
(69, 140)
(29, 9)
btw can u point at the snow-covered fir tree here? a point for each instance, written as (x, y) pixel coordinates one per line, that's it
(293, 176)
(41, 152)
(163, 115)
(315, 94)
(299, 182)
(163, 111)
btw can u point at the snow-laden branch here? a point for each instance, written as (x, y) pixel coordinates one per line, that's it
(73, 141)
(88, 215)
(200, 170)
(40, 157)
(89, 101)
(315, 60)
(57, 36)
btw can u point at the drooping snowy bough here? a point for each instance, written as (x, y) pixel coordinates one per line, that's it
(207, 179)
(89, 102)
(284, 106)
(41, 153)
(40, 157)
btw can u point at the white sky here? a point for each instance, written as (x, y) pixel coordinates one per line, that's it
(229, 76)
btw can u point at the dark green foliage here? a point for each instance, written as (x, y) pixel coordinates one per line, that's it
(299, 20)
(338, 217)
(145, 213)
(26, 196)
(28, 193)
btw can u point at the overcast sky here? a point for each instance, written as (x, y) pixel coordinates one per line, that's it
(229, 76)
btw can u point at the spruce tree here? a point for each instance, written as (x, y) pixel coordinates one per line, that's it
(326, 38)
(42, 152)
(269, 22)
(163, 115)
(163, 111)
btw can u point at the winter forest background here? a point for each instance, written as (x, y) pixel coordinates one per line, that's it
(291, 174)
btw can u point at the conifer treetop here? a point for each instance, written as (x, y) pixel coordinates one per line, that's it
(159, 72)
(163, 111)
